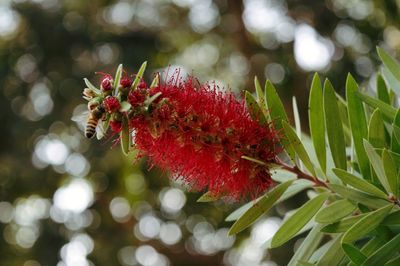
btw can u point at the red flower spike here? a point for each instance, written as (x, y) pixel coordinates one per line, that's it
(200, 134)
(111, 104)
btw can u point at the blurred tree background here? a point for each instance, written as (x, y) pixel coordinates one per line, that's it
(66, 200)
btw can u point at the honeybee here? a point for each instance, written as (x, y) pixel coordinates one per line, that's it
(90, 121)
(96, 114)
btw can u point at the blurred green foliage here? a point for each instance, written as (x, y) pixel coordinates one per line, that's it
(66, 200)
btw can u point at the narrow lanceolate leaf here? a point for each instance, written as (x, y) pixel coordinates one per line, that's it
(383, 93)
(357, 196)
(298, 220)
(334, 212)
(139, 75)
(354, 254)
(366, 224)
(333, 255)
(390, 171)
(377, 164)
(92, 87)
(296, 187)
(395, 137)
(343, 225)
(207, 197)
(259, 208)
(254, 109)
(277, 114)
(125, 106)
(118, 75)
(308, 246)
(376, 130)
(317, 121)
(391, 64)
(374, 244)
(393, 262)
(384, 254)
(155, 81)
(394, 84)
(358, 124)
(359, 183)
(392, 219)
(125, 136)
(296, 115)
(261, 97)
(298, 147)
(334, 127)
(396, 132)
(387, 110)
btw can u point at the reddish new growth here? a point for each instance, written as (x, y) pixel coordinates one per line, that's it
(126, 82)
(200, 134)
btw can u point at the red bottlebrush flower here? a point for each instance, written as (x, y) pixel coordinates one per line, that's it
(116, 126)
(111, 104)
(142, 84)
(106, 82)
(136, 97)
(126, 82)
(200, 134)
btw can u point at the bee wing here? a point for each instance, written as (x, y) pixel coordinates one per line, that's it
(101, 129)
(81, 119)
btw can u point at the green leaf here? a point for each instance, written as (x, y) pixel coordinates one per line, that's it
(333, 255)
(259, 208)
(334, 212)
(354, 254)
(139, 75)
(118, 75)
(155, 81)
(296, 187)
(317, 121)
(387, 110)
(277, 114)
(298, 147)
(366, 224)
(396, 132)
(357, 196)
(389, 62)
(377, 164)
(390, 171)
(125, 136)
(125, 106)
(383, 93)
(374, 244)
(334, 127)
(359, 183)
(207, 197)
(358, 124)
(298, 220)
(254, 109)
(392, 219)
(343, 225)
(384, 254)
(92, 87)
(376, 130)
(296, 116)
(261, 98)
(308, 246)
(392, 81)
(394, 262)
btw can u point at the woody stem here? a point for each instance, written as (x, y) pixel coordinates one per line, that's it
(302, 175)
